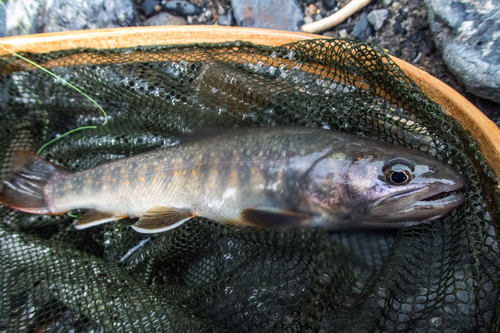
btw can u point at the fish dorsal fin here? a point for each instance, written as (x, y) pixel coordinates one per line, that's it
(272, 217)
(94, 217)
(159, 219)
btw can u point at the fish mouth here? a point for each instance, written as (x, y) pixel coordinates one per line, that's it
(418, 205)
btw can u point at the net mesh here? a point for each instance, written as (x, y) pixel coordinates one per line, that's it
(205, 277)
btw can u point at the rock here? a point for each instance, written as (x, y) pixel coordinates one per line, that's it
(182, 8)
(65, 15)
(312, 9)
(378, 17)
(2, 21)
(387, 3)
(308, 20)
(164, 19)
(395, 6)
(468, 36)
(23, 17)
(329, 4)
(277, 14)
(148, 7)
(226, 19)
(363, 29)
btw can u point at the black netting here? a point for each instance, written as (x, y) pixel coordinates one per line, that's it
(202, 276)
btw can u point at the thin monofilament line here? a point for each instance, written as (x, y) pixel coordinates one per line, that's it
(71, 86)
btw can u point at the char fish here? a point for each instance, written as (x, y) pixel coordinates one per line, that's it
(267, 177)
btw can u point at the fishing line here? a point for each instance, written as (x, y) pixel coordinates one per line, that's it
(71, 86)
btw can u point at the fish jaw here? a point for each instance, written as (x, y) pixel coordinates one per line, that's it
(424, 204)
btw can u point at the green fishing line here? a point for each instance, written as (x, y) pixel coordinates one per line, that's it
(71, 86)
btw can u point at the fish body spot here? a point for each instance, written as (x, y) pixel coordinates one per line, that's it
(155, 179)
(216, 172)
(164, 175)
(193, 172)
(176, 174)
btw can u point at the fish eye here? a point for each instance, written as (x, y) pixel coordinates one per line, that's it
(398, 174)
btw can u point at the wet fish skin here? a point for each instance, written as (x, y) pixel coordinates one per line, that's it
(264, 177)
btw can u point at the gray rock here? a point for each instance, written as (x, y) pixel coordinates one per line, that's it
(164, 19)
(329, 4)
(276, 14)
(378, 17)
(23, 17)
(63, 15)
(226, 19)
(2, 21)
(182, 8)
(148, 7)
(387, 3)
(363, 29)
(468, 36)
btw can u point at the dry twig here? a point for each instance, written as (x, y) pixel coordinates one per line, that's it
(337, 17)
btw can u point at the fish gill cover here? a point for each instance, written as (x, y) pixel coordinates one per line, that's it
(203, 276)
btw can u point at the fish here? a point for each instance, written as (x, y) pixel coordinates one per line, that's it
(262, 177)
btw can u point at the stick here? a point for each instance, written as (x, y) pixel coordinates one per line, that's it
(336, 18)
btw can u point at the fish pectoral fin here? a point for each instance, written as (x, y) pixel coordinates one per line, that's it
(159, 219)
(94, 217)
(272, 217)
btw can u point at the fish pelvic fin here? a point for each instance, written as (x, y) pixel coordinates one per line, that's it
(160, 219)
(94, 217)
(25, 189)
(267, 217)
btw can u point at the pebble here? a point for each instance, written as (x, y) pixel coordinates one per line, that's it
(329, 4)
(164, 19)
(182, 8)
(378, 17)
(276, 14)
(363, 29)
(227, 19)
(387, 3)
(148, 7)
(308, 20)
(468, 36)
(395, 6)
(312, 9)
(343, 33)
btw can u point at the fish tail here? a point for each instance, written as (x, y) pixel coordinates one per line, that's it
(25, 189)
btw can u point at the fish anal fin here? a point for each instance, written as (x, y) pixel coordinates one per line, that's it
(272, 217)
(159, 219)
(94, 217)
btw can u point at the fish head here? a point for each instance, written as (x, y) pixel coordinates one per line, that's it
(402, 187)
(383, 186)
